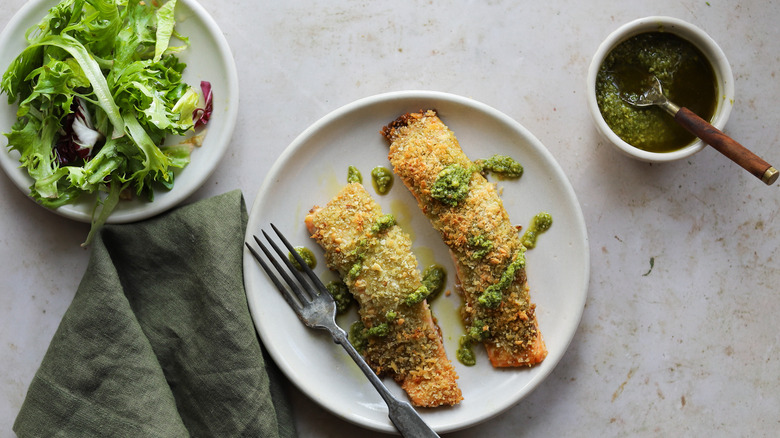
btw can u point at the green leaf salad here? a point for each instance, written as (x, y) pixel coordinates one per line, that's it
(99, 87)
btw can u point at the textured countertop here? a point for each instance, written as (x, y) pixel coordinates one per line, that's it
(680, 329)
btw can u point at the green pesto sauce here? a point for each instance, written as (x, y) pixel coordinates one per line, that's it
(380, 330)
(382, 180)
(360, 249)
(539, 224)
(358, 336)
(452, 184)
(341, 295)
(354, 271)
(383, 223)
(493, 294)
(477, 331)
(501, 165)
(307, 256)
(434, 278)
(354, 175)
(464, 353)
(360, 253)
(685, 74)
(417, 296)
(480, 245)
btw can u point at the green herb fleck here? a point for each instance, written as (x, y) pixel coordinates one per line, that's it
(360, 253)
(382, 223)
(354, 271)
(652, 263)
(360, 249)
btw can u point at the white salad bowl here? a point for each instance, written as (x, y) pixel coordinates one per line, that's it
(208, 58)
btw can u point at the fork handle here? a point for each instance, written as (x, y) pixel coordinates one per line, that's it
(726, 146)
(402, 414)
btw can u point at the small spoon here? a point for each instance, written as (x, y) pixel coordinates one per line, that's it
(700, 128)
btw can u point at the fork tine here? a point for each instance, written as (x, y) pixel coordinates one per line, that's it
(307, 293)
(292, 285)
(314, 278)
(285, 293)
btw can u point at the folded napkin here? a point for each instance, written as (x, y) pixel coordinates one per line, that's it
(158, 341)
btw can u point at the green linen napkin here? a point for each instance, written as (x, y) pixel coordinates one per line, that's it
(158, 341)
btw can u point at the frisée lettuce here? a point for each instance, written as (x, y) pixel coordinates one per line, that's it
(99, 88)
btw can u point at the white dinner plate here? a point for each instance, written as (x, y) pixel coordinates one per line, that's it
(312, 170)
(208, 59)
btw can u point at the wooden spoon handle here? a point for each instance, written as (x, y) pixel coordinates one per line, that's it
(726, 145)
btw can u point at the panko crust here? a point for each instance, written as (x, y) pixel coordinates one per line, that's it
(421, 146)
(412, 352)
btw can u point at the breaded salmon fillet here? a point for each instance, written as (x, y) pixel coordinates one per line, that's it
(373, 257)
(486, 249)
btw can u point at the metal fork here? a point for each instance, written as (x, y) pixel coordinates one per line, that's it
(315, 306)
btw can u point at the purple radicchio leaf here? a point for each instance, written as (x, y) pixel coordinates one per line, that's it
(202, 115)
(78, 135)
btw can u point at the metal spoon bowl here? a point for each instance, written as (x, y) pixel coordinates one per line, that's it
(653, 96)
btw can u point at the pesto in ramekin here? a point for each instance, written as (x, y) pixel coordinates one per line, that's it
(686, 76)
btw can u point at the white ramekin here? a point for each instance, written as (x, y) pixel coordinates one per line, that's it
(698, 38)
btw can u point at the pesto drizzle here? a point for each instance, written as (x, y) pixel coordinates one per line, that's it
(502, 165)
(452, 184)
(358, 334)
(380, 330)
(417, 296)
(306, 254)
(434, 278)
(481, 246)
(464, 353)
(341, 295)
(353, 175)
(539, 224)
(382, 223)
(382, 180)
(478, 332)
(493, 294)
